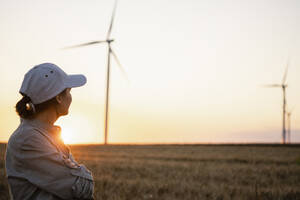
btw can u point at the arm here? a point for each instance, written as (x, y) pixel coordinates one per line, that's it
(46, 168)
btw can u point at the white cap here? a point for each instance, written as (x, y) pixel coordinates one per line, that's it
(45, 81)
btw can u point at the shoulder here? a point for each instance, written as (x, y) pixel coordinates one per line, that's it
(25, 136)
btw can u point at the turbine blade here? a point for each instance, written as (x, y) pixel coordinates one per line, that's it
(292, 109)
(84, 44)
(119, 64)
(272, 85)
(285, 73)
(112, 20)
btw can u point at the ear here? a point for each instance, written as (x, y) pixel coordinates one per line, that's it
(58, 99)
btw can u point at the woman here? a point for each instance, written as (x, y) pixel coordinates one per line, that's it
(39, 165)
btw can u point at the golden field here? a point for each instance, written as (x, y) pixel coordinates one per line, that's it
(170, 172)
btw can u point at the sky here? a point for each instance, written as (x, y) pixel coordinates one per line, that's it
(195, 68)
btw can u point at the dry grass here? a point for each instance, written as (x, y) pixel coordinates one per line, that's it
(171, 172)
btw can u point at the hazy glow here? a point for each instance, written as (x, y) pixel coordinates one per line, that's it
(67, 135)
(77, 129)
(195, 67)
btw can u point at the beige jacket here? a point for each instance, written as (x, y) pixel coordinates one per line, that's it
(40, 166)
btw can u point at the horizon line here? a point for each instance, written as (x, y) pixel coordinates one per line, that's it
(187, 144)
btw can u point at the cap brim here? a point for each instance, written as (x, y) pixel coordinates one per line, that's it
(76, 80)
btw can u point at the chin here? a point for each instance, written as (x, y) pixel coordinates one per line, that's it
(65, 113)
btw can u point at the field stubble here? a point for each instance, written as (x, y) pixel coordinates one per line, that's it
(172, 172)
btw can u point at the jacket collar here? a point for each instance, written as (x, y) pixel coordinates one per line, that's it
(52, 132)
(49, 129)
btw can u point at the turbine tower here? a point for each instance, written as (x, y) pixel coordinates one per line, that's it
(283, 85)
(110, 53)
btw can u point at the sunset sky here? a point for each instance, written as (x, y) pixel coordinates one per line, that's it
(195, 68)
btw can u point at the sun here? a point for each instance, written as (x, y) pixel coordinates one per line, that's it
(67, 135)
(78, 129)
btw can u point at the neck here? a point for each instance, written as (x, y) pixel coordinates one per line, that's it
(48, 116)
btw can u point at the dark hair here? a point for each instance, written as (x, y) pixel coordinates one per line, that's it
(30, 113)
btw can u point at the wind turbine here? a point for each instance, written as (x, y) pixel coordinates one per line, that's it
(283, 85)
(289, 113)
(108, 41)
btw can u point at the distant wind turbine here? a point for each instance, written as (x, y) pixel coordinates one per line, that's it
(110, 52)
(283, 85)
(289, 113)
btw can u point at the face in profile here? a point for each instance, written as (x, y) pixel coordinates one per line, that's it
(64, 101)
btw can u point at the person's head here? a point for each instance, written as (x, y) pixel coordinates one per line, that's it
(47, 87)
